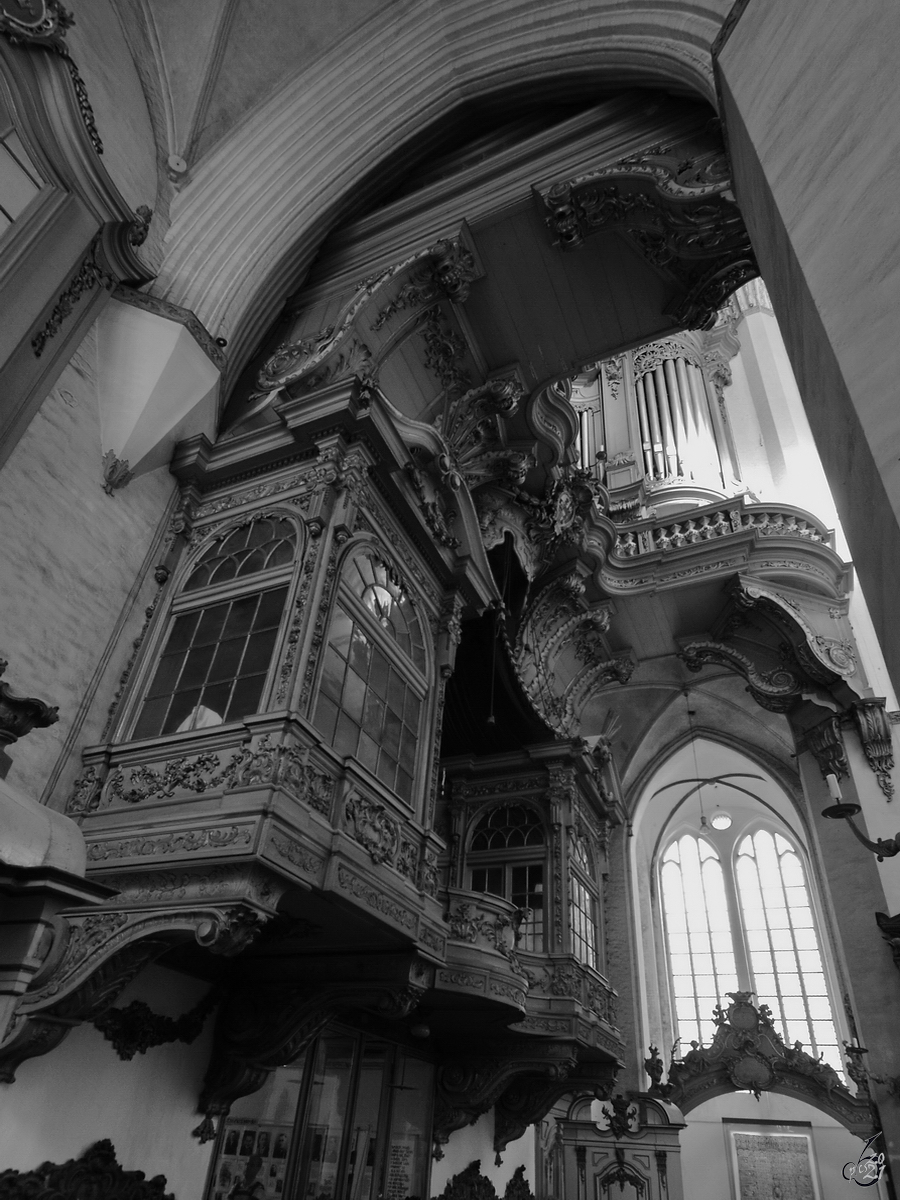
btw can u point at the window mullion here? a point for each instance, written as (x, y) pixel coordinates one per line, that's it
(735, 920)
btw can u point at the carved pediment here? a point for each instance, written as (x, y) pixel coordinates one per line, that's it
(748, 1054)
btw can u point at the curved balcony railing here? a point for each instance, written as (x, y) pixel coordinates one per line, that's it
(708, 524)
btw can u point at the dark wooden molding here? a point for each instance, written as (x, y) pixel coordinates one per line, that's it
(96, 1174)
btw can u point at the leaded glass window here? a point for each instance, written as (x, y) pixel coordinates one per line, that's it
(698, 929)
(503, 863)
(782, 943)
(371, 691)
(750, 929)
(218, 652)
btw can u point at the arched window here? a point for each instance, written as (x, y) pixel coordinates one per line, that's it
(782, 941)
(373, 680)
(698, 931)
(506, 858)
(225, 623)
(583, 901)
(749, 925)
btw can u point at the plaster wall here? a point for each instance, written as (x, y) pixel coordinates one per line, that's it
(780, 461)
(809, 92)
(74, 563)
(477, 1142)
(705, 1153)
(81, 1092)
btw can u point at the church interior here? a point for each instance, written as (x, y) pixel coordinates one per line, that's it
(449, 475)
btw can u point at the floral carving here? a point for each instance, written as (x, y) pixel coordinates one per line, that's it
(444, 350)
(135, 1028)
(88, 276)
(172, 843)
(449, 273)
(373, 828)
(179, 774)
(428, 874)
(96, 1174)
(874, 730)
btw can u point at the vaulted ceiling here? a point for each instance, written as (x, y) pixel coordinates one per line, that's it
(275, 120)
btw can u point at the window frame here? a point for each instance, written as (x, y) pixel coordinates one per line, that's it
(419, 679)
(509, 857)
(727, 857)
(180, 602)
(586, 879)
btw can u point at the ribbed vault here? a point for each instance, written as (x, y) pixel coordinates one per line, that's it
(247, 226)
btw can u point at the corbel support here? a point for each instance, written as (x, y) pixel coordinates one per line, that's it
(259, 1028)
(874, 731)
(98, 956)
(826, 744)
(469, 1086)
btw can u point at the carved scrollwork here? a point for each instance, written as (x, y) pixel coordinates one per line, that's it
(371, 826)
(449, 273)
(778, 691)
(748, 1054)
(96, 1173)
(827, 747)
(676, 207)
(468, 1088)
(874, 731)
(135, 1028)
(20, 714)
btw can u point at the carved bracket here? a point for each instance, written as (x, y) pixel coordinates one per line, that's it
(778, 691)
(102, 953)
(874, 731)
(827, 747)
(470, 1086)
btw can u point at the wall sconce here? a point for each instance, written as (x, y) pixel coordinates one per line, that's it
(883, 848)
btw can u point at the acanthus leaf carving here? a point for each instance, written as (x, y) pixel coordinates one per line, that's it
(874, 729)
(371, 826)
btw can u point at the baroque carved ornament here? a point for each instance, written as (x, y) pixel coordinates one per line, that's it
(677, 209)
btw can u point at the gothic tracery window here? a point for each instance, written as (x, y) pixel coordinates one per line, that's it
(225, 622)
(506, 858)
(746, 924)
(372, 688)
